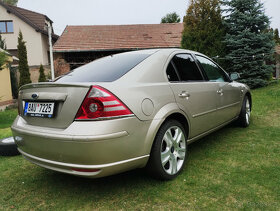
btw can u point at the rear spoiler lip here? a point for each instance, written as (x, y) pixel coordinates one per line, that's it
(51, 84)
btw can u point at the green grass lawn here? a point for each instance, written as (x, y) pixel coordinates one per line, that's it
(233, 168)
(6, 119)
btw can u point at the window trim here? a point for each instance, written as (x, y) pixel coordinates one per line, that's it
(177, 72)
(219, 67)
(6, 26)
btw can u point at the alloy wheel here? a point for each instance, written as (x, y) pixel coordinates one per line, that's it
(248, 112)
(173, 150)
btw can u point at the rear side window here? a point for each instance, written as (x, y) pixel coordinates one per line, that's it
(171, 73)
(186, 68)
(106, 69)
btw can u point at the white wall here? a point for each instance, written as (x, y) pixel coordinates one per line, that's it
(45, 49)
(35, 41)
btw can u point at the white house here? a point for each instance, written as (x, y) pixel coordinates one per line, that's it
(33, 26)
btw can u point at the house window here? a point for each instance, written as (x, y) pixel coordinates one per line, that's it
(6, 27)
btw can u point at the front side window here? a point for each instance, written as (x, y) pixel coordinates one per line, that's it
(213, 72)
(6, 27)
(186, 68)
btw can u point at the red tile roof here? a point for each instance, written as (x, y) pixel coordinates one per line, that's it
(119, 37)
(34, 19)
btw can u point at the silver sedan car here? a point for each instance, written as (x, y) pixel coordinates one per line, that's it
(125, 111)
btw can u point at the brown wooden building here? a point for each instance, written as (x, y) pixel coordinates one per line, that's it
(79, 45)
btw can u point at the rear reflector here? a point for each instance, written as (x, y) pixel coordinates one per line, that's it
(86, 170)
(100, 103)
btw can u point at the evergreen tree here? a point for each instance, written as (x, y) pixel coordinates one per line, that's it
(203, 28)
(2, 43)
(171, 18)
(3, 59)
(14, 81)
(276, 36)
(23, 64)
(249, 42)
(42, 76)
(11, 2)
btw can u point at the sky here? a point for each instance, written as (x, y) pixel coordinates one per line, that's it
(114, 12)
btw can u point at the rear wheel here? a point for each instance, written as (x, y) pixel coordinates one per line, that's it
(245, 114)
(169, 151)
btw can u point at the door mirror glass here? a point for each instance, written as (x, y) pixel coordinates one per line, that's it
(234, 76)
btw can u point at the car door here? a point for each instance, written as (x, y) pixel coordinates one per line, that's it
(228, 93)
(193, 95)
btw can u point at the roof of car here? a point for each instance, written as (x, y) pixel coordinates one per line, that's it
(167, 50)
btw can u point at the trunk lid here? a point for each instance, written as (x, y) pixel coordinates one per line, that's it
(67, 99)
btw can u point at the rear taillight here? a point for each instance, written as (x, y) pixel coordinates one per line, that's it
(100, 103)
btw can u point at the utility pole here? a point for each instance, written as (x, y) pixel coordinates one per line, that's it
(51, 48)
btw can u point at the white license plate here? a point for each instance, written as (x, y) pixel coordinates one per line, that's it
(39, 109)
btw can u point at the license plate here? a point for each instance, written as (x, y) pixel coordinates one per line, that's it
(39, 109)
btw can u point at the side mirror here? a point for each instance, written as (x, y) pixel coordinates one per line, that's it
(234, 76)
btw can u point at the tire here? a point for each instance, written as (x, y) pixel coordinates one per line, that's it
(245, 113)
(169, 151)
(8, 147)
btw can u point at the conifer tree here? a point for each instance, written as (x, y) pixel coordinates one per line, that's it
(11, 2)
(276, 36)
(42, 76)
(2, 43)
(249, 42)
(171, 18)
(14, 81)
(23, 64)
(3, 59)
(203, 28)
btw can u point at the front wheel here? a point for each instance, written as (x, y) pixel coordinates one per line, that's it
(169, 151)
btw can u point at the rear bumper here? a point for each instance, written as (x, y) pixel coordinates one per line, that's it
(65, 137)
(101, 148)
(93, 171)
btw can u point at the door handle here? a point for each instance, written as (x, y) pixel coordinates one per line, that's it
(220, 92)
(184, 95)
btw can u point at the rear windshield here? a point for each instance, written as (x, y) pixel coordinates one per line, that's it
(106, 69)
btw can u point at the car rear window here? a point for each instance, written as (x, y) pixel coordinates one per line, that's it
(106, 69)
